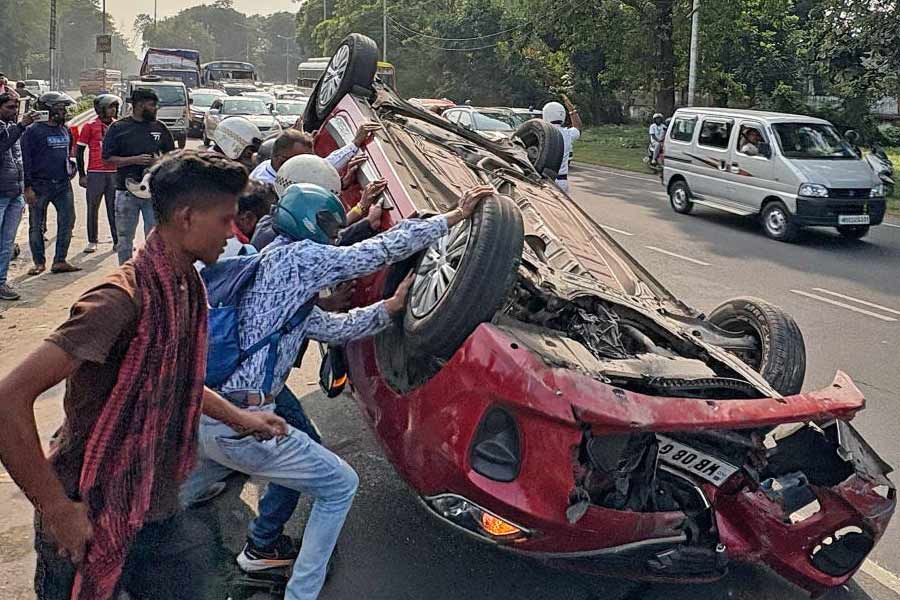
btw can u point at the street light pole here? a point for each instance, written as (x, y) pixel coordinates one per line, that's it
(324, 10)
(52, 40)
(103, 31)
(695, 49)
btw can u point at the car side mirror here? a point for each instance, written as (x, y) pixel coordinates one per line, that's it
(190, 100)
(765, 149)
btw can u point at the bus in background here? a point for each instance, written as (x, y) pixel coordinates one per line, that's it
(310, 71)
(172, 64)
(220, 73)
(98, 81)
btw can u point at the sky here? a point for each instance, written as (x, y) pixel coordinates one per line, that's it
(123, 12)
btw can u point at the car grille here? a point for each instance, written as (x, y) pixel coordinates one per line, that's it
(848, 192)
(839, 554)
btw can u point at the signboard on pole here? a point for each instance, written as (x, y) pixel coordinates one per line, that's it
(104, 43)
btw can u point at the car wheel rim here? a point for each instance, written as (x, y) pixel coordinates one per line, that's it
(333, 76)
(776, 221)
(679, 198)
(437, 270)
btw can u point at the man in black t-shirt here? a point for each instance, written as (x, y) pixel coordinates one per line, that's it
(133, 144)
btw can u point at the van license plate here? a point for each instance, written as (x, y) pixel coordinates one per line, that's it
(853, 219)
(687, 459)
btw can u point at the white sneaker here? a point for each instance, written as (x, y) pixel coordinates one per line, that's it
(90, 248)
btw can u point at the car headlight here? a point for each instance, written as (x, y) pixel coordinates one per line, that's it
(464, 513)
(877, 191)
(813, 190)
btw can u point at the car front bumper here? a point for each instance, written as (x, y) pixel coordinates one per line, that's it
(826, 211)
(430, 443)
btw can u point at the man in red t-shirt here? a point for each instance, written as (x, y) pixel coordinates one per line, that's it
(100, 180)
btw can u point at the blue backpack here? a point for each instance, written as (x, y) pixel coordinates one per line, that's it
(226, 282)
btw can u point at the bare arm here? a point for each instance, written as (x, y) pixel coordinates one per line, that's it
(262, 424)
(125, 161)
(573, 113)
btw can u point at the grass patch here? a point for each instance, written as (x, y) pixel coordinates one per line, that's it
(618, 146)
(623, 147)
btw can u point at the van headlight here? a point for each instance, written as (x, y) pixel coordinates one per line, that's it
(813, 190)
(877, 191)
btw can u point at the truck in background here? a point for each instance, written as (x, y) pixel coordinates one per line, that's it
(173, 64)
(98, 81)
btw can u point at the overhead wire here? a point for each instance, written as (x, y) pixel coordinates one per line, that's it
(446, 39)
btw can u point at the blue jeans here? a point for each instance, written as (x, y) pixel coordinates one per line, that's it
(297, 463)
(59, 194)
(128, 209)
(11, 209)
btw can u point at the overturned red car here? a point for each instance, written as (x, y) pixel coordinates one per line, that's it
(544, 393)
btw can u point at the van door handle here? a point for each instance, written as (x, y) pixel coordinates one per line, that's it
(721, 165)
(735, 168)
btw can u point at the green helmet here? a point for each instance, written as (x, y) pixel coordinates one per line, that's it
(309, 212)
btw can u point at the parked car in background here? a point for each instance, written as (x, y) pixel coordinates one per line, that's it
(174, 109)
(288, 110)
(526, 114)
(493, 123)
(37, 86)
(544, 393)
(790, 171)
(253, 109)
(201, 99)
(237, 88)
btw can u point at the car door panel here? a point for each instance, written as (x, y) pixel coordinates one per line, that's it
(750, 177)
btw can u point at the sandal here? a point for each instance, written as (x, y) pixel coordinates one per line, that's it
(64, 267)
(37, 269)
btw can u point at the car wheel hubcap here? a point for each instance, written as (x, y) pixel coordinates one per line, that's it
(679, 198)
(776, 221)
(334, 75)
(437, 270)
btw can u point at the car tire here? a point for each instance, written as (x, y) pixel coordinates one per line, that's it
(352, 67)
(412, 351)
(853, 232)
(781, 358)
(778, 223)
(544, 144)
(680, 198)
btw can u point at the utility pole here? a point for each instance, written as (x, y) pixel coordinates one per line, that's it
(103, 31)
(52, 40)
(695, 49)
(324, 10)
(384, 30)
(154, 12)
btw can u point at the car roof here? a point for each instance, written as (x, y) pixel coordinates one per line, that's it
(761, 115)
(214, 91)
(164, 82)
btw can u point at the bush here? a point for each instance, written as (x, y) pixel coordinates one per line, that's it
(890, 134)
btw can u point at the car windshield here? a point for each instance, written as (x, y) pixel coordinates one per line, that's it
(246, 106)
(494, 121)
(169, 95)
(204, 99)
(811, 140)
(32, 83)
(290, 108)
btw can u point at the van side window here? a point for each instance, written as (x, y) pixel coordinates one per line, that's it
(683, 129)
(749, 140)
(715, 134)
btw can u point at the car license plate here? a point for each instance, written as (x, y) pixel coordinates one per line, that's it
(853, 219)
(695, 462)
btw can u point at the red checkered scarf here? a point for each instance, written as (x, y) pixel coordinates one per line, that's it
(156, 401)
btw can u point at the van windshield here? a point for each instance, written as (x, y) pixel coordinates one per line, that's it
(169, 95)
(813, 141)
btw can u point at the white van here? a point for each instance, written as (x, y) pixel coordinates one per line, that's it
(174, 111)
(790, 170)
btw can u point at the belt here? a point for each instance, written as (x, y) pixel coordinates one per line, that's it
(249, 398)
(562, 177)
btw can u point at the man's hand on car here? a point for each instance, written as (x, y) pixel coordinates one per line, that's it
(339, 300)
(366, 133)
(396, 304)
(68, 525)
(262, 425)
(371, 194)
(468, 202)
(349, 176)
(298, 124)
(374, 216)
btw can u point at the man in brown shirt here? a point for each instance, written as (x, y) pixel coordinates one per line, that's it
(133, 397)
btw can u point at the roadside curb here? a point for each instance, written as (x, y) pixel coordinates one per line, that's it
(80, 119)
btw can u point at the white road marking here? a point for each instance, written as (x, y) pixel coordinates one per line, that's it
(890, 224)
(858, 301)
(682, 257)
(614, 229)
(842, 305)
(881, 575)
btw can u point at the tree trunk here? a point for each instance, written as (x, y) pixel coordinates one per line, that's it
(665, 57)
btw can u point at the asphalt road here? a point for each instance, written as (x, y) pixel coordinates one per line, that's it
(392, 548)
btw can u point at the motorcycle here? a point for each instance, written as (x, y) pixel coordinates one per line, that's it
(877, 160)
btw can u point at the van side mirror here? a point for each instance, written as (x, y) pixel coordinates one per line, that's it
(190, 100)
(214, 111)
(852, 136)
(765, 149)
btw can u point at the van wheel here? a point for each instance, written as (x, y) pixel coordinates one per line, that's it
(778, 223)
(781, 353)
(853, 232)
(680, 198)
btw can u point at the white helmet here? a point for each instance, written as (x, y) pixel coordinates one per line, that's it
(234, 135)
(307, 168)
(554, 112)
(657, 116)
